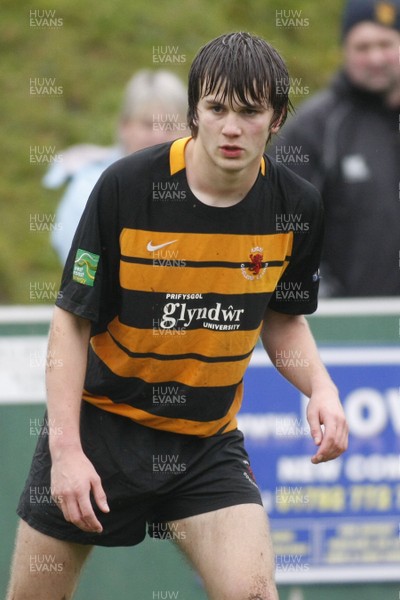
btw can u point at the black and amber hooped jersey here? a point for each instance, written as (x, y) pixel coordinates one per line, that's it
(176, 290)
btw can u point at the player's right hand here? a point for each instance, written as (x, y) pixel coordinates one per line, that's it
(73, 479)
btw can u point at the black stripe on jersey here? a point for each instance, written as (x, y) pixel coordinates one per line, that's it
(196, 404)
(204, 264)
(195, 356)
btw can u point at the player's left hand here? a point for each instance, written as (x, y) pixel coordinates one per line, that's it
(324, 408)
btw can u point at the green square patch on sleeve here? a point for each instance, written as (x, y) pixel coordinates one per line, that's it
(85, 267)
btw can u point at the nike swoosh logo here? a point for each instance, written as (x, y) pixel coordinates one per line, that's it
(152, 248)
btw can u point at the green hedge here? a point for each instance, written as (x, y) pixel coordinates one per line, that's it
(91, 52)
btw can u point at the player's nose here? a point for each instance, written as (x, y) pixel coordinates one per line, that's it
(231, 126)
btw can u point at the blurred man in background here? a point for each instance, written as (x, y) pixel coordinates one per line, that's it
(153, 111)
(345, 140)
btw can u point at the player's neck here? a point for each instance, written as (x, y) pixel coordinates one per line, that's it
(214, 185)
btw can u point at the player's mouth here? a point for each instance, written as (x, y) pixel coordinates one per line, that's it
(231, 151)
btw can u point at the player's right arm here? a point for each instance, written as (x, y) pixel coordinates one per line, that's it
(73, 476)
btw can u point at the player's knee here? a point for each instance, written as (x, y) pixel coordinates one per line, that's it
(260, 588)
(263, 596)
(270, 594)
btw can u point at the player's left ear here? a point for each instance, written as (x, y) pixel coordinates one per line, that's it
(278, 124)
(275, 128)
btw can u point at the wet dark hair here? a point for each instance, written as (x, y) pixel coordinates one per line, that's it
(242, 67)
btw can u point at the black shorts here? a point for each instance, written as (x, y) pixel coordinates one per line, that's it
(149, 476)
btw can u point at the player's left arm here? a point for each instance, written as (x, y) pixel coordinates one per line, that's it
(291, 347)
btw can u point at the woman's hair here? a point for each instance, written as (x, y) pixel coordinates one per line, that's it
(239, 67)
(148, 88)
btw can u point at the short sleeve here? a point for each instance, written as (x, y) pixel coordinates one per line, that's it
(90, 280)
(297, 289)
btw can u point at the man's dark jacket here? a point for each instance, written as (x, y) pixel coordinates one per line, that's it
(346, 142)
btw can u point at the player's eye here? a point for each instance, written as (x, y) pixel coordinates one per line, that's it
(217, 108)
(250, 111)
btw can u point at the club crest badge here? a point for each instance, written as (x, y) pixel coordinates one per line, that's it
(255, 268)
(385, 13)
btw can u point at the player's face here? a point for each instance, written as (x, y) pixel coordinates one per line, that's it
(233, 136)
(371, 55)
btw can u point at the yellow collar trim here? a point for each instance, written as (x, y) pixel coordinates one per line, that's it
(177, 156)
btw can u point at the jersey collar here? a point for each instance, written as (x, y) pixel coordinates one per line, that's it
(177, 156)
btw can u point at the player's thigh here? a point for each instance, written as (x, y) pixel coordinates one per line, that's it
(231, 550)
(44, 567)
